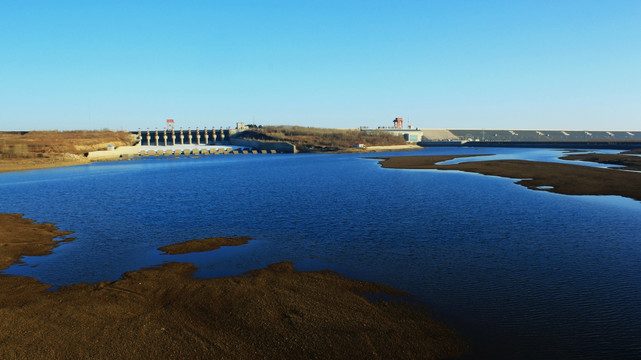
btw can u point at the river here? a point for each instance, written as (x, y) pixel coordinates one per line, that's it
(519, 273)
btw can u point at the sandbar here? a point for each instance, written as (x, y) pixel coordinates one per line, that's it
(164, 312)
(626, 162)
(200, 245)
(568, 179)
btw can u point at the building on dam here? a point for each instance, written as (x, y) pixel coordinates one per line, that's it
(410, 134)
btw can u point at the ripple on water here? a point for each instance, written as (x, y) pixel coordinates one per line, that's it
(521, 273)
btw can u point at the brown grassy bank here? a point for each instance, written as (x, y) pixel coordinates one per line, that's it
(45, 149)
(308, 139)
(163, 312)
(565, 179)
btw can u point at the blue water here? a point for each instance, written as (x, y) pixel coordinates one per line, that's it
(519, 273)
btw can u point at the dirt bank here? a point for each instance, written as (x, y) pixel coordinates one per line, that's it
(31, 150)
(163, 312)
(564, 178)
(308, 139)
(38, 163)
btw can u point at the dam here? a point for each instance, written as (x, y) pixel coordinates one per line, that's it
(170, 142)
(595, 139)
(182, 137)
(532, 138)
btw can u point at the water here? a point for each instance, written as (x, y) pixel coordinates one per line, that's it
(519, 273)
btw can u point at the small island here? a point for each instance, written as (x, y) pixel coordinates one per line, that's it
(200, 245)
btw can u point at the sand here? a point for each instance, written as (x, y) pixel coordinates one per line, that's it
(165, 313)
(565, 179)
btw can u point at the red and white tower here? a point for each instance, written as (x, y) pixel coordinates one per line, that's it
(398, 123)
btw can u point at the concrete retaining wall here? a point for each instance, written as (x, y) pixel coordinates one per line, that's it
(281, 147)
(121, 151)
(132, 151)
(439, 135)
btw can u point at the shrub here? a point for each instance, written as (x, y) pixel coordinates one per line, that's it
(309, 138)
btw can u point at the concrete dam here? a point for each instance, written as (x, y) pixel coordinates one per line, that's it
(532, 138)
(169, 142)
(195, 137)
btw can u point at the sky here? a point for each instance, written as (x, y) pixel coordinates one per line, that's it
(514, 64)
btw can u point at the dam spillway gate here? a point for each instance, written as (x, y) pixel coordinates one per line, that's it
(188, 137)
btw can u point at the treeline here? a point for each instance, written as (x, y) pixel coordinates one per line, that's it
(313, 139)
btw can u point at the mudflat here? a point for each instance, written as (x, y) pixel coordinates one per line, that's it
(626, 162)
(568, 179)
(164, 312)
(23, 237)
(200, 245)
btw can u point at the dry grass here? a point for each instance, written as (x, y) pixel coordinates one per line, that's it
(34, 144)
(320, 139)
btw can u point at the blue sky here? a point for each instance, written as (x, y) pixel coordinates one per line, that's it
(438, 64)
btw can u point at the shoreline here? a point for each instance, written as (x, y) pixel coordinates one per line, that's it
(38, 164)
(408, 147)
(15, 165)
(566, 179)
(274, 312)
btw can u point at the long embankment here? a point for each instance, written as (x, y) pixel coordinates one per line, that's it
(164, 312)
(621, 145)
(584, 139)
(560, 178)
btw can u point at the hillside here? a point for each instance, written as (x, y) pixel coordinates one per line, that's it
(308, 139)
(42, 149)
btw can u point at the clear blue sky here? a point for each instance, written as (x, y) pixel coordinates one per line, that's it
(439, 64)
